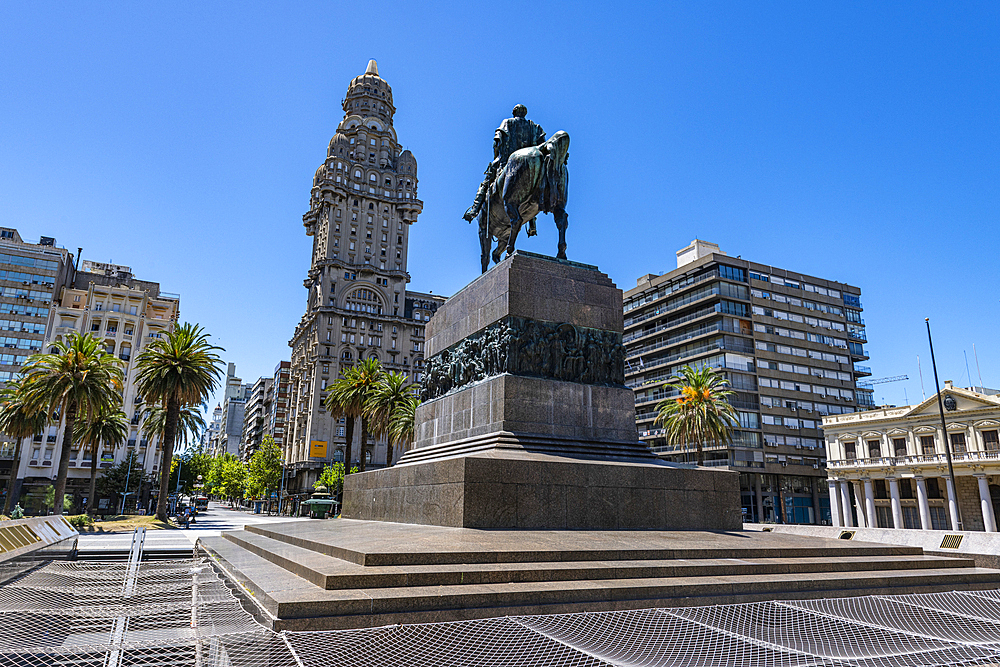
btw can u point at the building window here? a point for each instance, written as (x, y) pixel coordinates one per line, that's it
(957, 443)
(850, 452)
(874, 449)
(991, 439)
(927, 445)
(899, 446)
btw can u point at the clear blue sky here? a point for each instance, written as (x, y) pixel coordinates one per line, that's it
(854, 141)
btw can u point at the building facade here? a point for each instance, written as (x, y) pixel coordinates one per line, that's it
(265, 411)
(255, 417)
(888, 468)
(235, 395)
(31, 275)
(127, 314)
(277, 398)
(362, 206)
(787, 343)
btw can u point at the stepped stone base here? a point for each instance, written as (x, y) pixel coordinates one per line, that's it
(514, 488)
(340, 574)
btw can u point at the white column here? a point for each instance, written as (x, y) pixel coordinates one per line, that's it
(845, 502)
(897, 509)
(925, 509)
(859, 504)
(952, 504)
(986, 502)
(973, 443)
(834, 503)
(870, 504)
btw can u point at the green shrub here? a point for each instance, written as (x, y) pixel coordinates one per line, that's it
(80, 520)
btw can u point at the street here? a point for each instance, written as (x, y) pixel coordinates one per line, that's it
(218, 518)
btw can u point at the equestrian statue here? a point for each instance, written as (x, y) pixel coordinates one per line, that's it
(527, 176)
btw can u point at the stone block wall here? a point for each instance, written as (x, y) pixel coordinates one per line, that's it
(968, 501)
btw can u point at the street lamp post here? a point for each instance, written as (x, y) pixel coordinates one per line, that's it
(944, 428)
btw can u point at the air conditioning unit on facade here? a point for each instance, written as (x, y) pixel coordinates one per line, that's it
(815, 466)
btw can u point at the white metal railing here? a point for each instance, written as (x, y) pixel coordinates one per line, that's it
(918, 459)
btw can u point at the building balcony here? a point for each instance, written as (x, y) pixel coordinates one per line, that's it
(915, 461)
(862, 370)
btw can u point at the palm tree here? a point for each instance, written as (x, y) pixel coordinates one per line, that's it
(76, 378)
(18, 421)
(347, 397)
(179, 370)
(701, 413)
(383, 402)
(401, 422)
(190, 423)
(110, 426)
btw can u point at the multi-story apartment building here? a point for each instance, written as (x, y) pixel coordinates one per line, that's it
(362, 205)
(30, 275)
(255, 420)
(888, 468)
(265, 411)
(278, 400)
(127, 314)
(788, 344)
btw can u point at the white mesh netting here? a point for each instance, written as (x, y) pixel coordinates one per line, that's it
(182, 613)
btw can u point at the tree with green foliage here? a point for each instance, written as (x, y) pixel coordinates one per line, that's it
(18, 421)
(228, 477)
(191, 464)
(50, 500)
(181, 369)
(700, 413)
(347, 397)
(77, 378)
(119, 479)
(385, 404)
(190, 424)
(108, 427)
(332, 478)
(264, 469)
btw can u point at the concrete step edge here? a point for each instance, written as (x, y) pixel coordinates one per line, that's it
(298, 560)
(439, 598)
(473, 557)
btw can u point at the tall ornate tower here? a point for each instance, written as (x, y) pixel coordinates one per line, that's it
(363, 201)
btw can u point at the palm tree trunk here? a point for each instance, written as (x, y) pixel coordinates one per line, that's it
(364, 445)
(12, 482)
(169, 433)
(63, 470)
(91, 500)
(349, 447)
(700, 445)
(388, 451)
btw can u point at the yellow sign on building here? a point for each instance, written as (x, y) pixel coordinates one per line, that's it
(317, 448)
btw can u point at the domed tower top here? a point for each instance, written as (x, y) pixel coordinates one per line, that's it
(369, 95)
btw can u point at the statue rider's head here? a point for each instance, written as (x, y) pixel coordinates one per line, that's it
(520, 111)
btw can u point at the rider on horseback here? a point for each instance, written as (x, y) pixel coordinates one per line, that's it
(513, 134)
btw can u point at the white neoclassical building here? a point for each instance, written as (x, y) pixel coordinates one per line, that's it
(888, 468)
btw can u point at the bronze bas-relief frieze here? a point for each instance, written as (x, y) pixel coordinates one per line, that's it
(533, 348)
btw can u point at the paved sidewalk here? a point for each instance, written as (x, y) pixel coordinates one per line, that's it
(209, 524)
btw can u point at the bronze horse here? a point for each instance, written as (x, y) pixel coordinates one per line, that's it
(535, 180)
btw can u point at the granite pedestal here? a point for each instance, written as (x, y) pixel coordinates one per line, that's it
(527, 424)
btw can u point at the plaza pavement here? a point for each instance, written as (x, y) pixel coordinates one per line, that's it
(218, 518)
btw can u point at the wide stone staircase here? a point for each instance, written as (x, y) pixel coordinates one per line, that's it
(348, 574)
